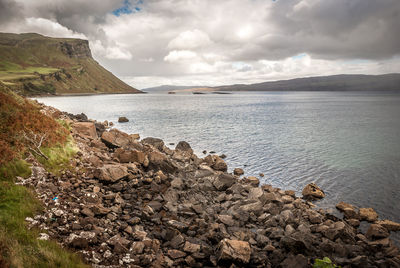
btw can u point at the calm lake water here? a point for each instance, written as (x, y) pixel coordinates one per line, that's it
(346, 142)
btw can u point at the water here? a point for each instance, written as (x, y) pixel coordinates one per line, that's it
(346, 142)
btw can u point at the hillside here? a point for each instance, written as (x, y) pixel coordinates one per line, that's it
(32, 64)
(386, 82)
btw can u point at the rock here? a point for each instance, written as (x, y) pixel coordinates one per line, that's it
(238, 171)
(224, 181)
(43, 236)
(298, 261)
(227, 220)
(261, 175)
(350, 213)
(86, 129)
(184, 146)
(191, 248)
(368, 214)
(159, 161)
(118, 139)
(157, 143)
(111, 173)
(234, 250)
(376, 231)
(176, 254)
(222, 156)
(122, 119)
(219, 164)
(253, 181)
(312, 192)
(391, 226)
(130, 156)
(255, 193)
(342, 205)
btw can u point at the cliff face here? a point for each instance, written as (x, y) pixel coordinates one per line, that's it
(79, 49)
(32, 64)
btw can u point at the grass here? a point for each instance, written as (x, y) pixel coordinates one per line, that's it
(19, 247)
(58, 156)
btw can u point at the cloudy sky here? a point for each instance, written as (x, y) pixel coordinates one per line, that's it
(207, 42)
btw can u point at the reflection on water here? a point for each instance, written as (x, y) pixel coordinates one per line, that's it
(348, 143)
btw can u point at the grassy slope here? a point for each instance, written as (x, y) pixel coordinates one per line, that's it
(33, 64)
(19, 247)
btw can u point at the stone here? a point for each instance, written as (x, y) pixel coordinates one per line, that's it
(298, 261)
(155, 142)
(350, 213)
(368, 214)
(159, 161)
(255, 193)
(224, 181)
(191, 247)
(176, 254)
(312, 192)
(253, 181)
(122, 119)
(238, 171)
(376, 231)
(130, 156)
(219, 164)
(118, 139)
(342, 205)
(86, 129)
(226, 219)
(111, 173)
(390, 225)
(234, 250)
(184, 146)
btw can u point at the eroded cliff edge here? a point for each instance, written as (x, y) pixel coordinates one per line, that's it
(32, 64)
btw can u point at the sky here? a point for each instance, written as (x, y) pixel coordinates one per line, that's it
(149, 43)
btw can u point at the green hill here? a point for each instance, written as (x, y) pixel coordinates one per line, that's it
(32, 64)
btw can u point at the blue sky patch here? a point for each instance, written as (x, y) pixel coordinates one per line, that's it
(128, 8)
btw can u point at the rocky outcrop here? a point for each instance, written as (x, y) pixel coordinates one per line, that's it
(151, 206)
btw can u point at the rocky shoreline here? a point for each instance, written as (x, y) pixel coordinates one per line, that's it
(128, 202)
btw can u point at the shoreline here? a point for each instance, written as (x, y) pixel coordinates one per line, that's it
(137, 202)
(81, 94)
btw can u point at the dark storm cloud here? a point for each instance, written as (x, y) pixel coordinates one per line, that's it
(9, 11)
(335, 28)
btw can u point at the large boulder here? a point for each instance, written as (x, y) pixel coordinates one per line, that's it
(118, 139)
(159, 161)
(86, 129)
(312, 192)
(184, 146)
(224, 181)
(390, 225)
(155, 142)
(111, 173)
(216, 162)
(368, 214)
(377, 231)
(234, 251)
(238, 171)
(130, 156)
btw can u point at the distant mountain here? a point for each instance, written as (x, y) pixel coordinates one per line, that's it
(344, 82)
(167, 88)
(33, 64)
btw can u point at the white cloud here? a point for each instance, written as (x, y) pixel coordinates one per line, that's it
(190, 40)
(180, 56)
(45, 27)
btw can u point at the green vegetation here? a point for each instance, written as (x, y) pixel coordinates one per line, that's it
(58, 156)
(33, 64)
(324, 263)
(19, 247)
(21, 123)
